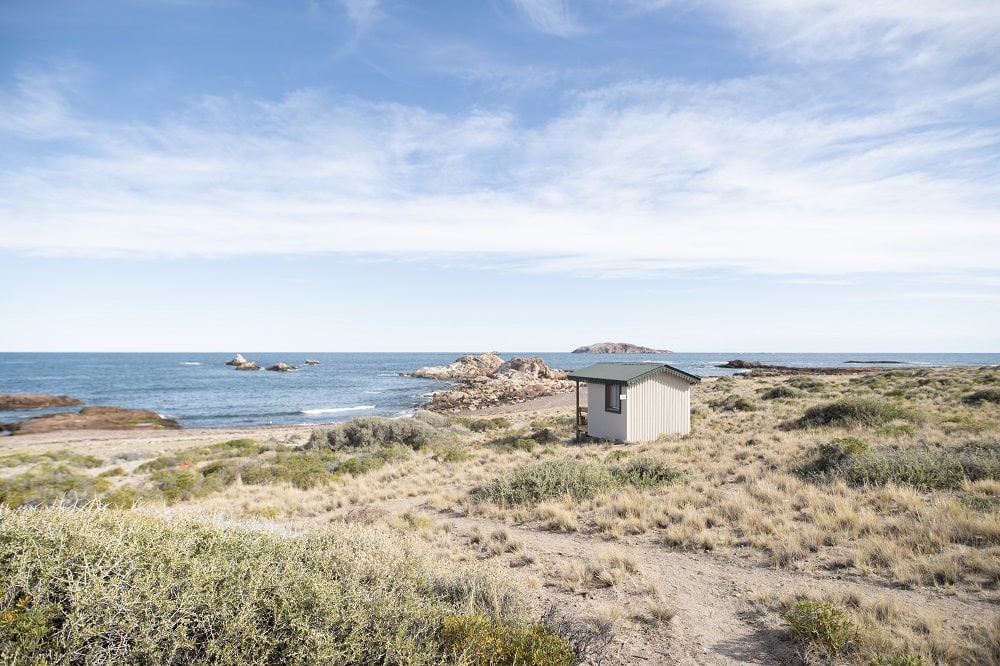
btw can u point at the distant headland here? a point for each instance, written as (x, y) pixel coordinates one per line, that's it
(618, 348)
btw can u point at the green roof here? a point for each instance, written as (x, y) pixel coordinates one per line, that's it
(628, 373)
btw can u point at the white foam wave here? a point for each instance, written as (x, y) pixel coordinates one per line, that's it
(190, 363)
(337, 410)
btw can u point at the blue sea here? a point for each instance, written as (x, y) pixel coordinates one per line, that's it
(200, 391)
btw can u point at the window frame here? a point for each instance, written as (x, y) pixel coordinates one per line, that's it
(613, 397)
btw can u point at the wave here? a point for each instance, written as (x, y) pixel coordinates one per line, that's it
(336, 410)
(190, 363)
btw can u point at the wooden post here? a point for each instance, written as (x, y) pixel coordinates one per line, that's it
(576, 415)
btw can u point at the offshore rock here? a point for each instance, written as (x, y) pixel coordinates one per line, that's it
(281, 367)
(10, 401)
(248, 365)
(618, 348)
(237, 360)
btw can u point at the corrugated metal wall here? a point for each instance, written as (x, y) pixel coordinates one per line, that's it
(659, 406)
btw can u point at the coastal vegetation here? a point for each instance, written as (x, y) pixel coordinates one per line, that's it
(854, 519)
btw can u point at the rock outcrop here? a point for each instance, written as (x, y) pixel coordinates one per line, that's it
(92, 418)
(11, 401)
(618, 348)
(487, 381)
(311, 361)
(281, 367)
(464, 367)
(241, 363)
(758, 369)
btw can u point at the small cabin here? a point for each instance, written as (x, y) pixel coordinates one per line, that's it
(633, 402)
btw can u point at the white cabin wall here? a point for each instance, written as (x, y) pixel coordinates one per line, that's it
(602, 424)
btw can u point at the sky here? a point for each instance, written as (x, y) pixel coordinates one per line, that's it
(530, 175)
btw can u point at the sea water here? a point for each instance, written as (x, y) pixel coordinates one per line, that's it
(200, 390)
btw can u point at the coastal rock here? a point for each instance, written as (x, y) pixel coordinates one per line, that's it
(618, 348)
(11, 401)
(311, 361)
(248, 365)
(487, 381)
(534, 368)
(757, 369)
(92, 418)
(464, 367)
(237, 360)
(281, 367)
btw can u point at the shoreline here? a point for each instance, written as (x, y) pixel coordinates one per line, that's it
(111, 441)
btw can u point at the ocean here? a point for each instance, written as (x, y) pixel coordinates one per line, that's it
(200, 391)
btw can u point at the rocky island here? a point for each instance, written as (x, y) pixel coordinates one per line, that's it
(618, 348)
(486, 380)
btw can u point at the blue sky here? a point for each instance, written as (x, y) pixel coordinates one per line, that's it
(371, 175)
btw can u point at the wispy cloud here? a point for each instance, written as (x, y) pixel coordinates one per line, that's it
(552, 17)
(639, 179)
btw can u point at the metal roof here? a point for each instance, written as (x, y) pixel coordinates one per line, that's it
(628, 373)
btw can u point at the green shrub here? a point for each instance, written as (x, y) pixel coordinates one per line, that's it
(484, 425)
(819, 625)
(60, 456)
(550, 480)
(983, 395)
(103, 586)
(359, 466)
(303, 469)
(856, 413)
(925, 469)
(477, 641)
(451, 454)
(376, 431)
(733, 403)
(780, 391)
(965, 423)
(234, 448)
(645, 472)
(809, 384)
(46, 484)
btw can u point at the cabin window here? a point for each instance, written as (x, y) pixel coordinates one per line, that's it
(613, 398)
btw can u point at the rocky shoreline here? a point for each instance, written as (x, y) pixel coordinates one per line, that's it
(486, 381)
(90, 418)
(618, 348)
(756, 369)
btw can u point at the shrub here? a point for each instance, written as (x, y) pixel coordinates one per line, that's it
(645, 472)
(475, 640)
(819, 625)
(904, 659)
(780, 392)
(234, 448)
(301, 468)
(359, 466)
(451, 454)
(925, 469)
(48, 484)
(375, 431)
(733, 403)
(483, 425)
(554, 479)
(855, 413)
(101, 586)
(60, 456)
(809, 384)
(983, 395)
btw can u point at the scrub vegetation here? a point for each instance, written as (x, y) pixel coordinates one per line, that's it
(836, 519)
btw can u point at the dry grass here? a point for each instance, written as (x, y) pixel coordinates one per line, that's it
(743, 496)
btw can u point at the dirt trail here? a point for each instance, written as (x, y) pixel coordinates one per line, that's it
(719, 616)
